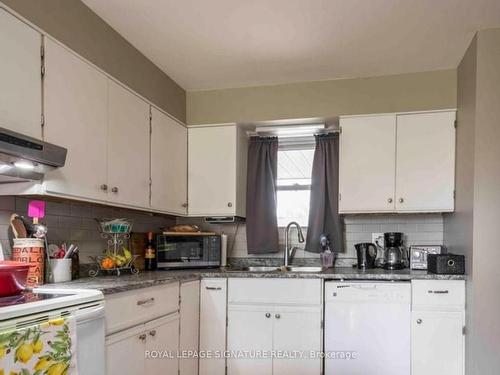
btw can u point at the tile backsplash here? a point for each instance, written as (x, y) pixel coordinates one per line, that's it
(421, 229)
(74, 222)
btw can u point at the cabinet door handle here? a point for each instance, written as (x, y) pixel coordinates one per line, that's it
(401, 200)
(104, 187)
(446, 291)
(268, 315)
(152, 333)
(143, 302)
(229, 204)
(184, 205)
(213, 288)
(419, 321)
(389, 200)
(114, 189)
(277, 316)
(142, 337)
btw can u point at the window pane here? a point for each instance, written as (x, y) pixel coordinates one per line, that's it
(295, 165)
(293, 206)
(294, 168)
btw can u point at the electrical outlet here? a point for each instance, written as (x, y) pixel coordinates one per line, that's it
(378, 239)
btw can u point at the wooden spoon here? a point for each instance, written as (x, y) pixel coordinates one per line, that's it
(18, 227)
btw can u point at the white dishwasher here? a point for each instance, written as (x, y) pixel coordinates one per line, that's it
(367, 328)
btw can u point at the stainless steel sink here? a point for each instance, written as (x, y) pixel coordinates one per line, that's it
(256, 269)
(261, 268)
(277, 269)
(310, 269)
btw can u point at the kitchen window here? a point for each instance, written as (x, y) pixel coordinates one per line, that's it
(294, 182)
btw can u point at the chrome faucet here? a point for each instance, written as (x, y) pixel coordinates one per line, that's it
(300, 237)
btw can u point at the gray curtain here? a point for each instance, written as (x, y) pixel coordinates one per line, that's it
(261, 221)
(324, 208)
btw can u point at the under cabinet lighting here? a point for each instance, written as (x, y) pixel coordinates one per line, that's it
(24, 164)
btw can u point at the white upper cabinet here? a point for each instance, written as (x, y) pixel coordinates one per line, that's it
(168, 164)
(76, 113)
(20, 77)
(367, 161)
(128, 147)
(397, 163)
(217, 171)
(425, 168)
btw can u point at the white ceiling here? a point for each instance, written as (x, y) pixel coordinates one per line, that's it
(206, 44)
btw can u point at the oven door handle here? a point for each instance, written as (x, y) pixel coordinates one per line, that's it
(90, 313)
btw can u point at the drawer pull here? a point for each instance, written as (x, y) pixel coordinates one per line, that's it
(438, 291)
(152, 333)
(143, 302)
(213, 288)
(277, 316)
(142, 337)
(419, 321)
(268, 315)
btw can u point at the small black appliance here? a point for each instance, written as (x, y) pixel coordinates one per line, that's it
(367, 253)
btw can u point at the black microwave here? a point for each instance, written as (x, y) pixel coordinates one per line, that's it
(193, 250)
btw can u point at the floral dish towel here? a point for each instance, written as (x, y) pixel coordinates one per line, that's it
(48, 348)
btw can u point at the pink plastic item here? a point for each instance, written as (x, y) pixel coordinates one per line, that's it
(36, 210)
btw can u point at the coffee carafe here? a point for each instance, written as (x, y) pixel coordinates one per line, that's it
(394, 252)
(366, 252)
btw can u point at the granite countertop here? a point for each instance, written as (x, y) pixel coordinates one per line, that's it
(115, 284)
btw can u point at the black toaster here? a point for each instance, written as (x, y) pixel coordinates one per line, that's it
(446, 264)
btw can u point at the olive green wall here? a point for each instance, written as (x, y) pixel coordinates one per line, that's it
(403, 92)
(75, 25)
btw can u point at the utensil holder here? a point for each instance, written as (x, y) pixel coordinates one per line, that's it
(60, 270)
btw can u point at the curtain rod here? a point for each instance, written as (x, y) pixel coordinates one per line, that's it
(270, 134)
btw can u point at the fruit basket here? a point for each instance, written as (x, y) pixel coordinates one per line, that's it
(102, 268)
(117, 258)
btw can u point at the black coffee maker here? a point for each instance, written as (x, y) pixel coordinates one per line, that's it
(394, 251)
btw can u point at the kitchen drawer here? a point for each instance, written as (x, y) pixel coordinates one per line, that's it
(275, 291)
(438, 294)
(127, 309)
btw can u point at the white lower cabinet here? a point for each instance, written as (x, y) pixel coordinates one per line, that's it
(149, 348)
(277, 334)
(162, 337)
(297, 329)
(250, 329)
(437, 330)
(125, 352)
(213, 314)
(189, 327)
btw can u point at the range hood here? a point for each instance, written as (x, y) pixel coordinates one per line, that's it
(23, 158)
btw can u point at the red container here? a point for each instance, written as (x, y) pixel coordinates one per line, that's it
(13, 277)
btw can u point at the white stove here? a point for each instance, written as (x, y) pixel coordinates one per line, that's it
(37, 301)
(87, 306)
